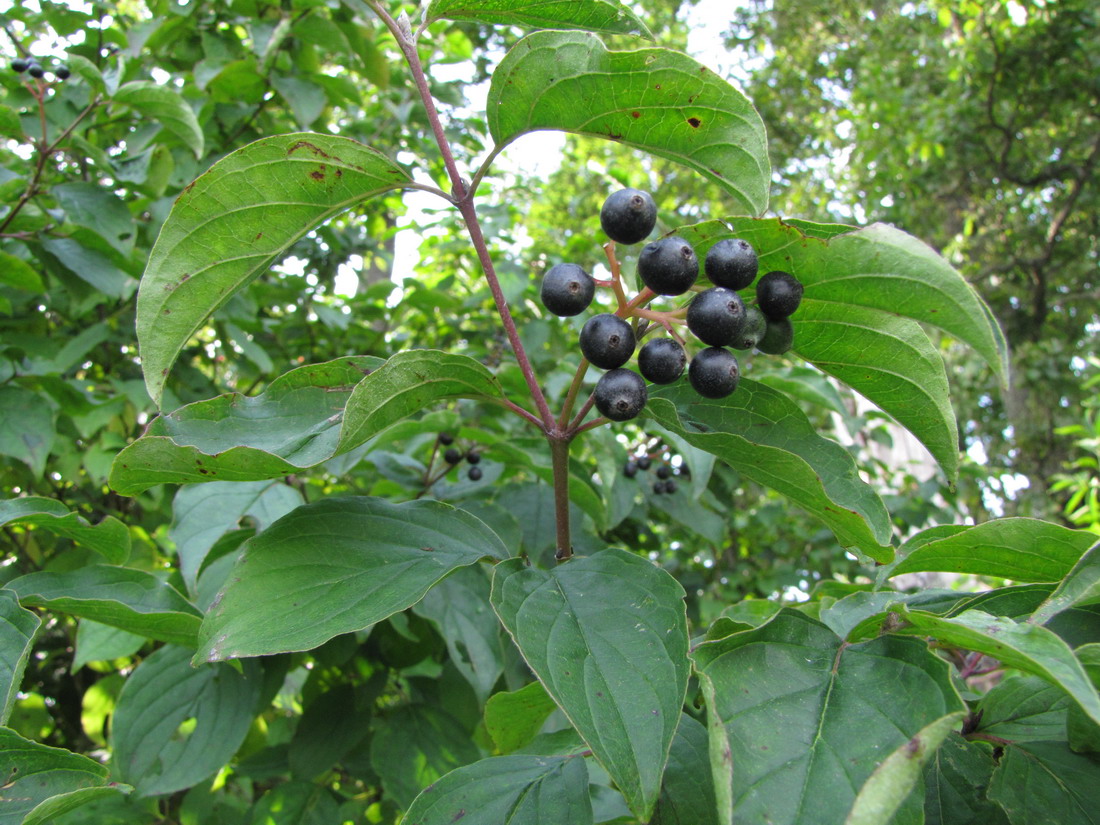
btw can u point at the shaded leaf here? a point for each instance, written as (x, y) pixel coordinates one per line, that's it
(955, 780)
(26, 427)
(1045, 783)
(296, 803)
(605, 16)
(687, 793)
(17, 630)
(33, 773)
(513, 718)
(1024, 709)
(109, 538)
(49, 810)
(165, 106)
(1081, 586)
(97, 642)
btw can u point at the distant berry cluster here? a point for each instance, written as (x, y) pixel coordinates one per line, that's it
(718, 316)
(31, 66)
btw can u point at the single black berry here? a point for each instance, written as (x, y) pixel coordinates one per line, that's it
(664, 471)
(731, 263)
(19, 65)
(778, 294)
(607, 341)
(714, 372)
(670, 486)
(628, 216)
(62, 73)
(446, 439)
(473, 457)
(452, 455)
(752, 331)
(778, 337)
(668, 266)
(630, 469)
(644, 462)
(567, 290)
(716, 316)
(620, 394)
(36, 71)
(658, 487)
(685, 471)
(662, 360)
(474, 474)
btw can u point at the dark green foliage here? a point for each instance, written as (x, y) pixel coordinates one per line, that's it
(620, 394)
(668, 266)
(778, 337)
(716, 316)
(628, 216)
(607, 341)
(567, 290)
(732, 263)
(714, 372)
(778, 294)
(662, 360)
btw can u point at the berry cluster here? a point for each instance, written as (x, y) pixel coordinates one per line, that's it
(32, 67)
(717, 316)
(665, 483)
(453, 455)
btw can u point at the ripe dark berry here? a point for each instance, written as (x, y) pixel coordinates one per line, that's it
(658, 487)
(62, 73)
(664, 471)
(662, 360)
(714, 372)
(36, 71)
(716, 316)
(19, 65)
(473, 457)
(620, 394)
(752, 331)
(644, 462)
(668, 266)
(474, 474)
(567, 290)
(630, 469)
(731, 263)
(607, 341)
(628, 216)
(778, 337)
(452, 456)
(670, 486)
(778, 294)
(446, 439)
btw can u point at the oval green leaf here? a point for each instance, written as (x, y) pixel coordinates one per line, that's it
(34, 773)
(607, 637)
(167, 107)
(17, 630)
(337, 566)
(687, 793)
(237, 219)
(109, 538)
(604, 16)
(657, 100)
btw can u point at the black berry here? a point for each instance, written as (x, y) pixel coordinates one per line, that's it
(778, 294)
(662, 360)
(630, 469)
(607, 341)
(716, 316)
(628, 216)
(670, 486)
(474, 474)
(36, 71)
(668, 266)
(473, 457)
(446, 439)
(62, 73)
(658, 487)
(620, 394)
(19, 65)
(714, 372)
(731, 263)
(778, 337)
(452, 456)
(752, 331)
(664, 471)
(644, 462)
(567, 290)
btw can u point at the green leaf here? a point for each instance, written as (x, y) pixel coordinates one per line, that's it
(459, 607)
(26, 427)
(97, 642)
(337, 566)
(1081, 586)
(109, 538)
(800, 719)
(237, 219)
(416, 745)
(1028, 647)
(175, 725)
(508, 790)
(1045, 783)
(607, 637)
(203, 513)
(890, 361)
(687, 793)
(763, 435)
(17, 630)
(1024, 709)
(15, 272)
(604, 16)
(133, 600)
(218, 440)
(331, 725)
(514, 718)
(33, 773)
(10, 127)
(165, 106)
(657, 100)
(97, 208)
(956, 779)
(82, 67)
(1022, 549)
(296, 803)
(91, 266)
(49, 810)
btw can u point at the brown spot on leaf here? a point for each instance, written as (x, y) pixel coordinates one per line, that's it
(317, 174)
(694, 122)
(635, 115)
